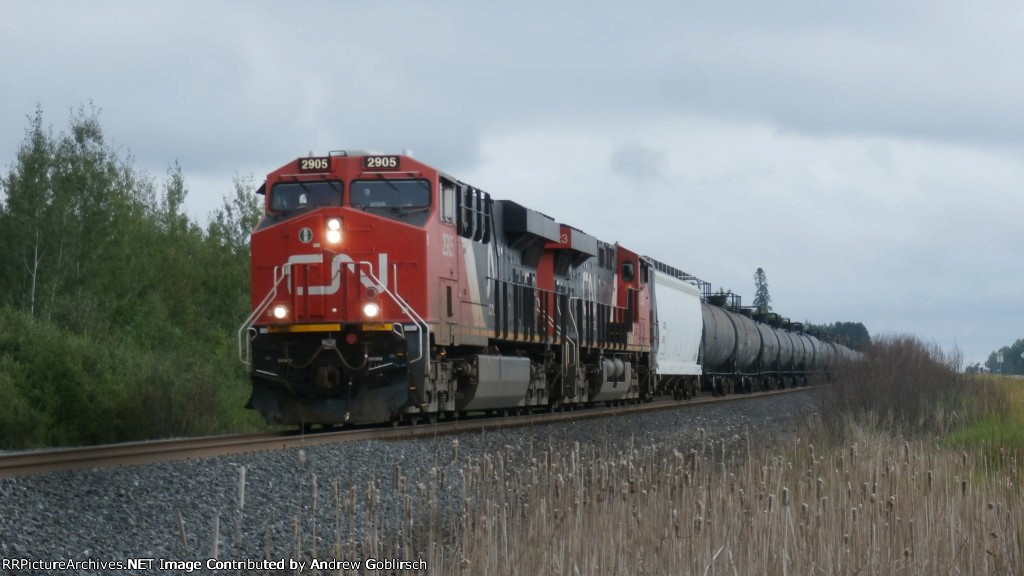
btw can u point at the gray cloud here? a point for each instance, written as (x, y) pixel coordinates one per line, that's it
(865, 154)
(637, 162)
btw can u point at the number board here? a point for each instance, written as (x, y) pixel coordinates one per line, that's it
(381, 163)
(320, 164)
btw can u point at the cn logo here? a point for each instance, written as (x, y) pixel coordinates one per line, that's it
(336, 263)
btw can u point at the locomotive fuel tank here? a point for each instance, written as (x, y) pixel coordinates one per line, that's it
(493, 382)
(610, 380)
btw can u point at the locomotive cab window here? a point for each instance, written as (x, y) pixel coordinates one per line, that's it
(407, 200)
(390, 194)
(628, 273)
(295, 196)
(447, 201)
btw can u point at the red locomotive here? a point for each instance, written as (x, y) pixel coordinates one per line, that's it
(384, 289)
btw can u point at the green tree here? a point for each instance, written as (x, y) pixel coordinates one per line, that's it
(117, 312)
(852, 334)
(26, 232)
(228, 233)
(762, 300)
(1012, 361)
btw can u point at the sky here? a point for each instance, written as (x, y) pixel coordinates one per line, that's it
(869, 156)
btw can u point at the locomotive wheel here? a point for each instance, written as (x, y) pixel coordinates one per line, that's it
(432, 417)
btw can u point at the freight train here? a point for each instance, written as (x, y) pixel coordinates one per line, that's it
(385, 290)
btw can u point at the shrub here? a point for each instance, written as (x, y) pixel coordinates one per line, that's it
(903, 382)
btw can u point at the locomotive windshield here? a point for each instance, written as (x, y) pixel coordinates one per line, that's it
(390, 193)
(293, 196)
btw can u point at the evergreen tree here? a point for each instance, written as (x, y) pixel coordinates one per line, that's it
(762, 300)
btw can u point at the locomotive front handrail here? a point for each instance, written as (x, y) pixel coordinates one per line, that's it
(244, 348)
(402, 304)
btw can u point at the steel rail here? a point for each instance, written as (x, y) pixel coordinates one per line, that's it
(135, 453)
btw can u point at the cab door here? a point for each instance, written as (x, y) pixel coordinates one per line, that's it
(448, 295)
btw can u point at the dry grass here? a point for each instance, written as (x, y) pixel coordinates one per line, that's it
(879, 505)
(890, 494)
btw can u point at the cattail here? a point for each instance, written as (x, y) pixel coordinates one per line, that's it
(313, 503)
(184, 538)
(241, 488)
(214, 550)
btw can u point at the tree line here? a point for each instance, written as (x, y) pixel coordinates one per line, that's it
(854, 335)
(117, 310)
(1013, 363)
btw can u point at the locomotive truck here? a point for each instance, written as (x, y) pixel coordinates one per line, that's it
(386, 290)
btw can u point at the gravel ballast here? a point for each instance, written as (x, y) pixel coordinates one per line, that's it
(171, 510)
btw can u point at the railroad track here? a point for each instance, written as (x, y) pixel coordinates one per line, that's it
(134, 453)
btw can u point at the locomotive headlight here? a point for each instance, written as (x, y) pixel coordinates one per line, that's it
(371, 309)
(279, 312)
(334, 230)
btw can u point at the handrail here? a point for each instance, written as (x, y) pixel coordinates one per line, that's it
(403, 305)
(576, 330)
(244, 348)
